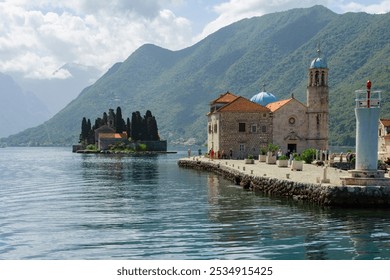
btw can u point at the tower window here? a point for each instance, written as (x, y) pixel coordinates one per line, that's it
(253, 128)
(241, 127)
(215, 128)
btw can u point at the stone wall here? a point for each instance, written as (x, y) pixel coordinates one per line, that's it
(324, 195)
(290, 126)
(231, 138)
(342, 165)
(153, 146)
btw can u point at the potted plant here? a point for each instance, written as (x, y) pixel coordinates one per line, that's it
(282, 161)
(249, 160)
(297, 163)
(271, 157)
(263, 154)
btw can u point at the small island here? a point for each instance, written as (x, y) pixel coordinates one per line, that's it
(112, 134)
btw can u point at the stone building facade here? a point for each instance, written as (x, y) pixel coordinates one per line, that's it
(384, 140)
(238, 126)
(244, 126)
(290, 125)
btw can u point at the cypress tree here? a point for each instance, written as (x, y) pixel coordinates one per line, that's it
(105, 118)
(151, 127)
(134, 126)
(84, 130)
(120, 124)
(154, 130)
(128, 128)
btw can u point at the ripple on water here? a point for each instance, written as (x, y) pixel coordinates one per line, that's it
(59, 205)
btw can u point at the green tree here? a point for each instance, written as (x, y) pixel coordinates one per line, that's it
(120, 124)
(84, 131)
(308, 155)
(150, 127)
(105, 118)
(136, 126)
(128, 127)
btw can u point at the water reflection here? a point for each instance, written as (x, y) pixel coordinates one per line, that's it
(282, 229)
(72, 206)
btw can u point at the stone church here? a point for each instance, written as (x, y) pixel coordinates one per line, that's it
(241, 126)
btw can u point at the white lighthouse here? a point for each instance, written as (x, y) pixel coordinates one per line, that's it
(367, 111)
(367, 116)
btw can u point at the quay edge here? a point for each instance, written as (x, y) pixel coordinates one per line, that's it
(319, 194)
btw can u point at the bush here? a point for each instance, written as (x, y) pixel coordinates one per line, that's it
(272, 147)
(263, 151)
(308, 155)
(283, 157)
(142, 147)
(297, 157)
(91, 147)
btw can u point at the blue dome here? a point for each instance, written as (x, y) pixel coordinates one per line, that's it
(318, 63)
(264, 98)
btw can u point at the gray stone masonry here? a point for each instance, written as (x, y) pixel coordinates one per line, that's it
(297, 185)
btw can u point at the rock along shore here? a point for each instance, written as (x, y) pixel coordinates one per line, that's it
(297, 186)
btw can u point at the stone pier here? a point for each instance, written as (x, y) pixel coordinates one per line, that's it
(297, 185)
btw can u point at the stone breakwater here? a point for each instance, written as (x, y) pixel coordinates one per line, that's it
(320, 194)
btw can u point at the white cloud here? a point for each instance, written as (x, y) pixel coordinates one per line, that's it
(378, 8)
(38, 37)
(234, 10)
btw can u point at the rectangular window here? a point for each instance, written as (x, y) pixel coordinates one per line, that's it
(210, 128)
(253, 128)
(241, 127)
(242, 147)
(215, 128)
(264, 129)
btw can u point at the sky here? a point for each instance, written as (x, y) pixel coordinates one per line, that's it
(38, 37)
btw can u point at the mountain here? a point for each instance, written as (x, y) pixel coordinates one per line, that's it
(18, 109)
(64, 85)
(275, 49)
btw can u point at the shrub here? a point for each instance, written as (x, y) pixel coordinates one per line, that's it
(308, 155)
(263, 151)
(297, 157)
(272, 147)
(283, 157)
(141, 147)
(91, 147)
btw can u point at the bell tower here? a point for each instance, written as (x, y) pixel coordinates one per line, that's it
(318, 103)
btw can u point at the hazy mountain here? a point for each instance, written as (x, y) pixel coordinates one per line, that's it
(275, 49)
(64, 86)
(18, 110)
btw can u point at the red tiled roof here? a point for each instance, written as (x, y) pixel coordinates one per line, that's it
(385, 122)
(112, 135)
(241, 104)
(274, 106)
(225, 98)
(277, 104)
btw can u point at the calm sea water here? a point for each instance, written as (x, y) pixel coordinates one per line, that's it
(58, 205)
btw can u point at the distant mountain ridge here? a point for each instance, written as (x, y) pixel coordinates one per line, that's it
(275, 49)
(64, 86)
(18, 109)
